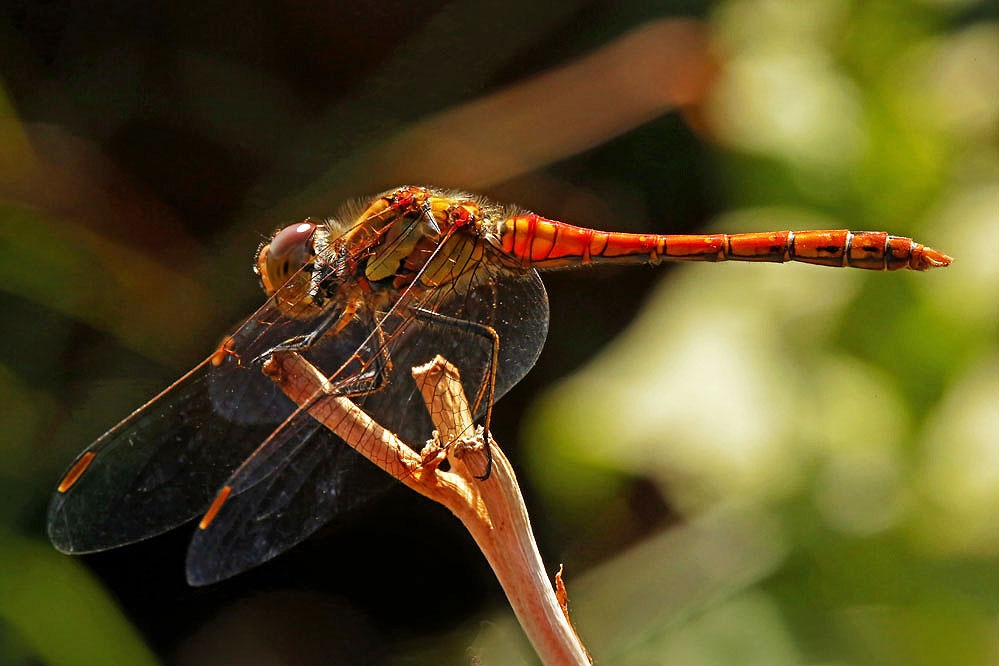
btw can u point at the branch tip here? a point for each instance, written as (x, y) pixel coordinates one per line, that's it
(493, 512)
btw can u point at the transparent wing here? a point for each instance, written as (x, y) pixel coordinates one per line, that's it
(283, 494)
(162, 465)
(300, 477)
(290, 488)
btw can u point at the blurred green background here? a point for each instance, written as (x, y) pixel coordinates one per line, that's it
(737, 464)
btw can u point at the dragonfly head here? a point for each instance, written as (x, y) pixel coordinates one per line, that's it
(289, 250)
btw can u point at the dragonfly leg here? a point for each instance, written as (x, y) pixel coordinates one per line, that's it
(331, 324)
(488, 386)
(354, 387)
(378, 375)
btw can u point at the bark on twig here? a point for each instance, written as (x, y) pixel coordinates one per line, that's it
(492, 510)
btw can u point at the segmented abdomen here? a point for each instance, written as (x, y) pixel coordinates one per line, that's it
(544, 243)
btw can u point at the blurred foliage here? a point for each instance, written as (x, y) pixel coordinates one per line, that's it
(76, 619)
(767, 465)
(860, 412)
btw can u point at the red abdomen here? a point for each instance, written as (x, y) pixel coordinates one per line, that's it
(543, 243)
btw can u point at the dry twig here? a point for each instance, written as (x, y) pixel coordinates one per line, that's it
(493, 510)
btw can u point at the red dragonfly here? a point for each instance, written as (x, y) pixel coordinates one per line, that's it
(366, 296)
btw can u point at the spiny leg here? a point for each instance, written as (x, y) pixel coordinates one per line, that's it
(331, 324)
(487, 388)
(379, 375)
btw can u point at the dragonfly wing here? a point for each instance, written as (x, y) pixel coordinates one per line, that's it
(520, 318)
(512, 303)
(295, 481)
(163, 464)
(287, 490)
(304, 475)
(153, 471)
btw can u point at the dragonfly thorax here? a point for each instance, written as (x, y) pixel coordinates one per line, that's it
(419, 237)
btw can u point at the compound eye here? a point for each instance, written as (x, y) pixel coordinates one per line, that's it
(288, 251)
(292, 239)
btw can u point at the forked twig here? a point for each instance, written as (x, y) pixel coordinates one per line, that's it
(492, 510)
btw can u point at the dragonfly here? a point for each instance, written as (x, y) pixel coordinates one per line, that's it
(385, 285)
